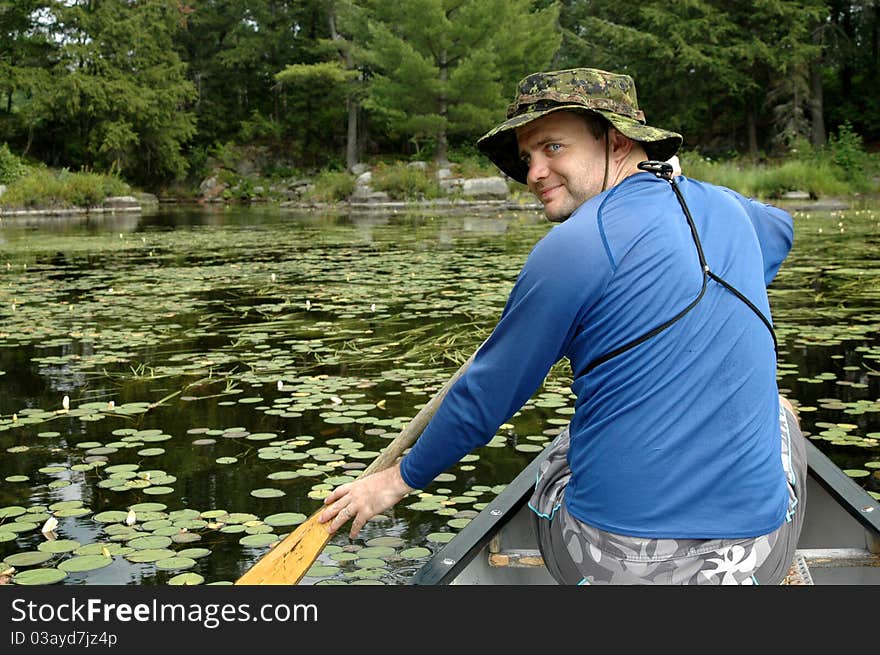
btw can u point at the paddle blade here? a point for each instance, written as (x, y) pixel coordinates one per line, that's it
(290, 558)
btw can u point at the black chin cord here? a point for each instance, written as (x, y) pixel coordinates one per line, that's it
(663, 170)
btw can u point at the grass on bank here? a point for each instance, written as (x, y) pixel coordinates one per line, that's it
(37, 186)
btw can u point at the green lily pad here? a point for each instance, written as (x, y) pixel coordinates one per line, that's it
(321, 571)
(267, 492)
(194, 553)
(440, 537)
(147, 543)
(158, 491)
(72, 512)
(416, 552)
(149, 555)
(59, 546)
(284, 519)
(111, 516)
(376, 552)
(11, 511)
(82, 563)
(188, 578)
(27, 558)
(175, 563)
(151, 452)
(39, 576)
(259, 540)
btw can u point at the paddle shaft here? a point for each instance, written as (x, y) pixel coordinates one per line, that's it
(287, 562)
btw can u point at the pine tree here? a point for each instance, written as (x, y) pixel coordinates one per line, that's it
(447, 68)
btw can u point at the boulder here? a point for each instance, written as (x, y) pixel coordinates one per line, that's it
(121, 202)
(485, 188)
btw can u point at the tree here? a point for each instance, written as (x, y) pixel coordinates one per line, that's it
(853, 76)
(445, 68)
(235, 49)
(117, 97)
(704, 67)
(341, 76)
(25, 51)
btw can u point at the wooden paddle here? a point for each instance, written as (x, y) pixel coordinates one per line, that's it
(287, 562)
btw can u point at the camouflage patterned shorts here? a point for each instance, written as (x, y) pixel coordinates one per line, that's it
(577, 553)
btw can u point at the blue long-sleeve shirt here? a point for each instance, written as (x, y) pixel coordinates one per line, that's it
(679, 436)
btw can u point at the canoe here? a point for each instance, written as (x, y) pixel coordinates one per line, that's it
(839, 542)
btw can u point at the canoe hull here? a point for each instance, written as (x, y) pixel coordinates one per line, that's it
(839, 543)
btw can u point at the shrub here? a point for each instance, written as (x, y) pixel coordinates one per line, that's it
(815, 175)
(846, 150)
(11, 166)
(40, 187)
(332, 186)
(402, 182)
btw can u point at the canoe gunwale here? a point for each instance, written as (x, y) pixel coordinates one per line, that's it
(472, 540)
(857, 502)
(450, 560)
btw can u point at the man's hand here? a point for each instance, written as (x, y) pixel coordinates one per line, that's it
(361, 499)
(676, 165)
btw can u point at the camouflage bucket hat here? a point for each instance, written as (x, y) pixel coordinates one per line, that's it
(577, 89)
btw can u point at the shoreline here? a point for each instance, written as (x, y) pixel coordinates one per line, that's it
(825, 204)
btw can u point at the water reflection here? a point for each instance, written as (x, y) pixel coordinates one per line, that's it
(218, 349)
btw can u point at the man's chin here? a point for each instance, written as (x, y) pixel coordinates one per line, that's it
(556, 215)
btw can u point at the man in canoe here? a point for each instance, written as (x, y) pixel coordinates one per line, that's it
(681, 464)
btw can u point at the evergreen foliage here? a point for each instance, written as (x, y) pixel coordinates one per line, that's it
(150, 89)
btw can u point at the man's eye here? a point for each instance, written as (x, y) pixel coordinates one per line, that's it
(554, 147)
(525, 159)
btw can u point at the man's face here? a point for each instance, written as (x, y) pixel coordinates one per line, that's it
(566, 162)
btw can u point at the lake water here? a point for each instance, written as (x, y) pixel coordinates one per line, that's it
(218, 370)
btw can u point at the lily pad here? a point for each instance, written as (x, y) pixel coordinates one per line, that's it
(284, 519)
(259, 540)
(188, 578)
(175, 563)
(39, 576)
(149, 555)
(267, 492)
(59, 546)
(82, 563)
(27, 558)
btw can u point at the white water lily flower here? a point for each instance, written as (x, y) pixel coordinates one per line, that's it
(131, 518)
(280, 385)
(336, 400)
(273, 277)
(50, 524)
(308, 304)
(65, 402)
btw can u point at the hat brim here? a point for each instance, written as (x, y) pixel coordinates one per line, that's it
(500, 145)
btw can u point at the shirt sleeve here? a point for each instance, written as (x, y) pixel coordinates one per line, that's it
(775, 230)
(538, 322)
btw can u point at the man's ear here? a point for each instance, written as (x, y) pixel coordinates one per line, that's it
(621, 145)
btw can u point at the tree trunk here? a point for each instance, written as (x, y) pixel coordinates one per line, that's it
(817, 107)
(442, 154)
(752, 130)
(351, 136)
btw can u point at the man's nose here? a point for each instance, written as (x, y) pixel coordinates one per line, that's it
(537, 169)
